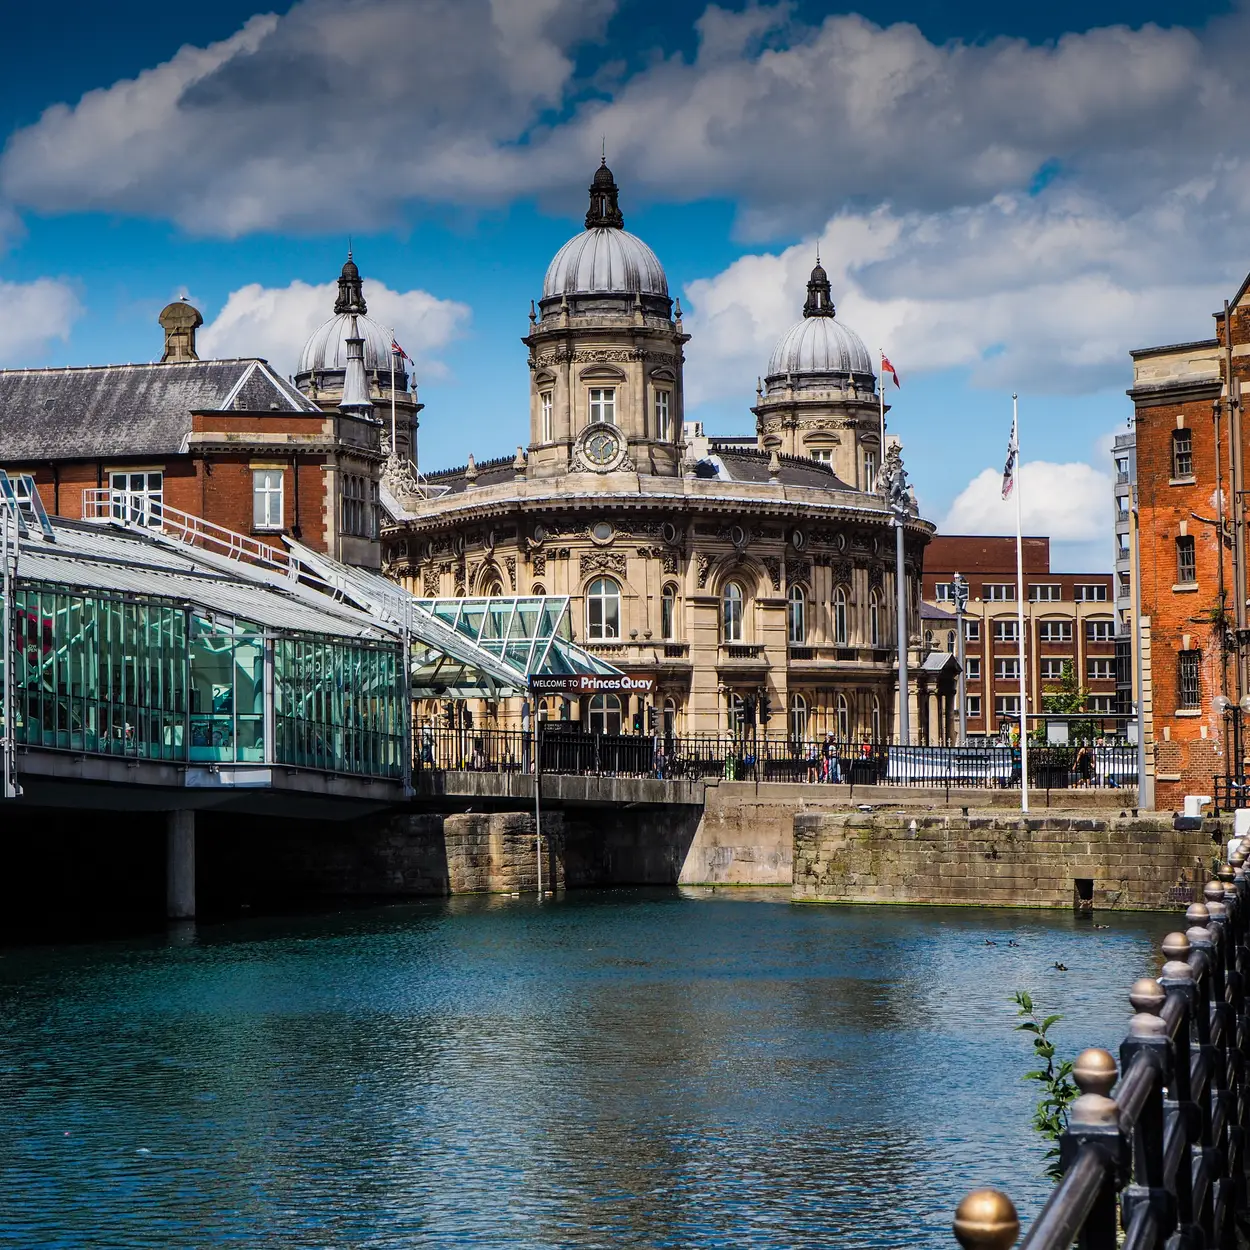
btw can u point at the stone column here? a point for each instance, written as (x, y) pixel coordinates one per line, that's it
(180, 865)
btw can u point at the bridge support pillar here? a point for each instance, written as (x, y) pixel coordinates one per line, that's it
(180, 865)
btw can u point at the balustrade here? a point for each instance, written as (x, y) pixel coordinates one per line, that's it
(1160, 1152)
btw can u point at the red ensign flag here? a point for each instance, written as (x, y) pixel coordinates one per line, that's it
(886, 367)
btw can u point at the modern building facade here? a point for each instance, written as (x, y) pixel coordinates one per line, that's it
(1068, 619)
(739, 574)
(1124, 465)
(229, 441)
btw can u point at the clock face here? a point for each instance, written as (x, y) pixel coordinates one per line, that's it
(601, 447)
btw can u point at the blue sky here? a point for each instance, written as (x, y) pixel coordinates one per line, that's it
(1004, 199)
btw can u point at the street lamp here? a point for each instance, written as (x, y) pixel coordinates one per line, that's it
(961, 606)
(900, 507)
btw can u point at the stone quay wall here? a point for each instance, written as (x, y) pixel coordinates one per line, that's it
(1056, 860)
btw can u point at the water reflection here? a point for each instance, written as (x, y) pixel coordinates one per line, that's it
(622, 1068)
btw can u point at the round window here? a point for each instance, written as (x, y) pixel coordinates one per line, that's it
(540, 533)
(669, 532)
(738, 536)
(798, 540)
(602, 531)
(841, 542)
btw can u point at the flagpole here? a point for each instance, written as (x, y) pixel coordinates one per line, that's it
(881, 396)
(1024, 713)
(394, 445)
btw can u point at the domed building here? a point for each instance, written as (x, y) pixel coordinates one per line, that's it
(323, 364)
(735, 573)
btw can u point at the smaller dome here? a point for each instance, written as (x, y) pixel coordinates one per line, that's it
(820, 345)
(605, 261)
(326, 349)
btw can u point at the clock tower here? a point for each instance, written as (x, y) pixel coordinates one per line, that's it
(605, 354)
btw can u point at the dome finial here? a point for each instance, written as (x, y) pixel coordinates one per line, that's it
(604, 209)
(351, 298)
(819, 293)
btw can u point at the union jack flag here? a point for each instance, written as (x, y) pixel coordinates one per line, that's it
(398, 351)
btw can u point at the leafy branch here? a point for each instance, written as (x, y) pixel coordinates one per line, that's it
(1058, 1090)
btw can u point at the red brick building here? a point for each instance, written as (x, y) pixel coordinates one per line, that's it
(1068, 617)
(229, 441)
(1188, 600)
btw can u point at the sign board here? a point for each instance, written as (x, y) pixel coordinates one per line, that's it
(591, 683)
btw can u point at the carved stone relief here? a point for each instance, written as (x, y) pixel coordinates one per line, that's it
(704, 567)
(773, 567)
(602, 562)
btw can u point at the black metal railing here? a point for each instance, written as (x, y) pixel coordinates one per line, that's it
(771, 757)
(1167, 1152)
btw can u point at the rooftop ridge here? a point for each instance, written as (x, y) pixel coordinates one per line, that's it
(139, 364)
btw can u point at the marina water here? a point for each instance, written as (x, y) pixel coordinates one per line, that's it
(618, 1068)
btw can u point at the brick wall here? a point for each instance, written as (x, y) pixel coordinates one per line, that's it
(1131, 862)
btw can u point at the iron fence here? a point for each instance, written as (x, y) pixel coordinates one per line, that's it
(1166, 1154)
(771, 757)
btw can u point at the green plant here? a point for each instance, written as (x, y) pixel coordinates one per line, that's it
(1050, 1117)
(1070, 697)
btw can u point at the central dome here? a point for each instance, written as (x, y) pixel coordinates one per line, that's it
(605, 259)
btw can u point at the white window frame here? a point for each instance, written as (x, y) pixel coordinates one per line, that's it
(268, 499)
(601, 405)
(796, 616)
(798, 718)
(664, 414)
(973, 706)
(1099, 668)
(1052, 667)
(999, 592)
(668, 612)
(944, 592)
(841, 618)
(1045, 592)
(972, 668)
(138, 495)
(604, 714)
(972, 629)
(1007, 631)
(1099, 631)
(547, 420)
(1006, 707)
(1054, 631)
(843, 715)
(732, 613)
(869, 466)
(822, 455)
(1094, 592)
(1007, 668)
(874, 620)
(603, 610)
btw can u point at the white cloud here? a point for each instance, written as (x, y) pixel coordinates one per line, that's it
(296, 118)
(32, 314)
(1070, 503)
(1047, 293)
(274, 322)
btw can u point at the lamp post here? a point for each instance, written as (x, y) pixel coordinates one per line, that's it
(961, 606)
(900, 506)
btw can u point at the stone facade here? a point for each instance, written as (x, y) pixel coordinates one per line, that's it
(1133, 862)
(728, 568)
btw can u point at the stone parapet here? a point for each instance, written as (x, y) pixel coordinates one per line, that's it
(988, 859)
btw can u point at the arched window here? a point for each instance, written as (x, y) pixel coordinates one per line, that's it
(844, 719)
(876, 719)
(841, 623)
(731, 612)
(798, 718)
(950, 640)
(874, 619)
(605, 714)
(537, 590)
(736, 712)
(796, 615)
(670, 719)
(603, 610)
(928, 640)
(668, 612)
(491, 589)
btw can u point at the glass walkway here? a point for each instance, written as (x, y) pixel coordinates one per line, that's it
(162, 638)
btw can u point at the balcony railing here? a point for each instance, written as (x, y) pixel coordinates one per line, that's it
(1161, 1143)
(743, 650)
(756, 755)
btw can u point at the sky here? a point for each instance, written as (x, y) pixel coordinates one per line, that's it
(1006, 198)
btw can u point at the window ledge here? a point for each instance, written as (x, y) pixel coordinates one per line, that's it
(1185, 588)
(1183, 481)
(1188, 711)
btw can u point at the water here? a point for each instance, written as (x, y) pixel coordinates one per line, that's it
(625, 1068)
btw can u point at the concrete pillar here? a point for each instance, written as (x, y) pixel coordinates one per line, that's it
(180, 865)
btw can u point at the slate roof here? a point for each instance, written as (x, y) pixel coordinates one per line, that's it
(129, 410)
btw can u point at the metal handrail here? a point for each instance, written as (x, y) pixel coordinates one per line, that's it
(1168, 1151)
